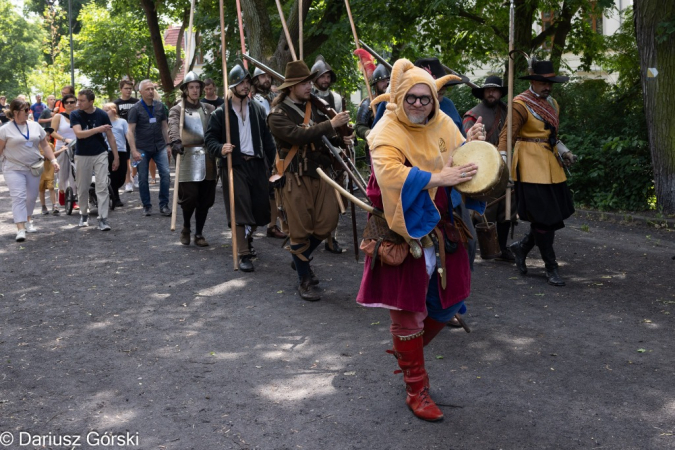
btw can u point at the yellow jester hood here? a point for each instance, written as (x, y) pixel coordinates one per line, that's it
(405, 154)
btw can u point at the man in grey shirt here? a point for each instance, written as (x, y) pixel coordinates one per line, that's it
(148, 124)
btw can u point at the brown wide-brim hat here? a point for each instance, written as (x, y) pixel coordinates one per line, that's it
(543, 71)
(296, 73)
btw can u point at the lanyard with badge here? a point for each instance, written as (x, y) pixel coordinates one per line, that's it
(26, 136)
(152, 117)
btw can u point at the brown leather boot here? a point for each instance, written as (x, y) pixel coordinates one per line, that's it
(410, 356)
(308, 290)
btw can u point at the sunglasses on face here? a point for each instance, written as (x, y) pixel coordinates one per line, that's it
(424, 99)
(71, 102)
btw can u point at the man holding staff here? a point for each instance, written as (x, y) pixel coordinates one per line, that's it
(544, 199)
(493, 111)
(412, 168)
(310, 204)
(252, 150)
(197, 177)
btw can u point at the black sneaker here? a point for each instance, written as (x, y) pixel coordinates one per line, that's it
(245, 263)
(165, 211)
(147, 210)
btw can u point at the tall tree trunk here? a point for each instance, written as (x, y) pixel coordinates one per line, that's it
(259, 41)
(522, 33)
(658, 51)
(158, 45)
(180, 55)
(563, 27)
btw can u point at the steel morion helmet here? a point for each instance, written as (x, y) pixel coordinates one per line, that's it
(321, 66)
(189, 78)
(237, 74)
(257, 72)
(380, 73)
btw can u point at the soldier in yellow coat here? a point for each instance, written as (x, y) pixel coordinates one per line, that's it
(544, 199)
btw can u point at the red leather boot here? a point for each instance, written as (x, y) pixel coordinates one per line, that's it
(431, 329)
(409, 353)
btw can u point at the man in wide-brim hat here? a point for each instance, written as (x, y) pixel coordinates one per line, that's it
(493, 112)
(309, 203)
(544, 199)
(491, 82)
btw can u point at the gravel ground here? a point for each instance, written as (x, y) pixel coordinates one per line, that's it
(128, 333)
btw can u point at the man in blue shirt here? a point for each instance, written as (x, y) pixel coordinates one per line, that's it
(148, 124)
(37, 107)
(91, 155)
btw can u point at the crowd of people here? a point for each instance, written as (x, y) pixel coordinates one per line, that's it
(419, 240)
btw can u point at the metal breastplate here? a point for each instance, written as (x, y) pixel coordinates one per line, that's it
(193, 163)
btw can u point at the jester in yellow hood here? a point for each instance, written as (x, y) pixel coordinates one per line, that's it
(412, 175)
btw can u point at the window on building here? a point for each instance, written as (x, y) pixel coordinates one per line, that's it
(595, 18)
(547, 19)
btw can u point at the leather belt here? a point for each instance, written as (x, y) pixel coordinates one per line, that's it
(537, 140)
(248, 158)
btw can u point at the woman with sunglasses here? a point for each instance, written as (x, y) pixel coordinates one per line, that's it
(64, 135)
(20, 144)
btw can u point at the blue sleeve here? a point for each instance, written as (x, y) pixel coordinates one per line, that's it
(381, 108)
(469, 202)
(75, 119)
(419, 211)
(449, 108)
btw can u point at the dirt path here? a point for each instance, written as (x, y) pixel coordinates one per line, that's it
(130, 332)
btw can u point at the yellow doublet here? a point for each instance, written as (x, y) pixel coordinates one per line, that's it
(534, 162)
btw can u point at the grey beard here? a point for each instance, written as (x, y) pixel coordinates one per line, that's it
(417, 118)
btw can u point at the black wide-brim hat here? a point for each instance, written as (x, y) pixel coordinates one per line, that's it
(543, 71)
(492, 81)
(436, 69)
(296, 72)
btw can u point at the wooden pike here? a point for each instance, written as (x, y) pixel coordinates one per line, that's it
(509, 116)
(241, 32)
(226, 109)
(186, 66)
(286, 33)
(300, 24)
(356, 42)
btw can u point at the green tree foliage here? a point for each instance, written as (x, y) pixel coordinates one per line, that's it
(614, 170)
(40, 6)
(19, 50)
(112, 46)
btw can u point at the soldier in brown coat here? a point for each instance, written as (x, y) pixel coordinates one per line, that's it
(310, 204)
